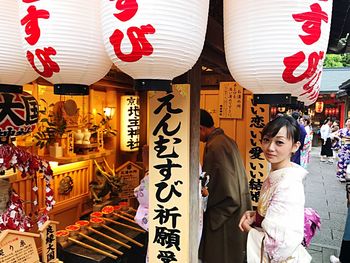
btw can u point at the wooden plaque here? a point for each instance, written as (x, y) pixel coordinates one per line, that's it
(18, 247)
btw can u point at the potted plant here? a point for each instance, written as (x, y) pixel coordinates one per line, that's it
(52, 126)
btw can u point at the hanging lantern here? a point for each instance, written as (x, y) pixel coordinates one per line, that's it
(280, 48)
(19, 113)
(14, 68)
(129, 123)
(319, 106)
(326, 112)
(63, 41)
(154, 41)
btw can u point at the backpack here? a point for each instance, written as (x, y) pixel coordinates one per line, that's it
(312, 221)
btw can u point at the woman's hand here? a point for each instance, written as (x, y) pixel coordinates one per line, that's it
(246, 221)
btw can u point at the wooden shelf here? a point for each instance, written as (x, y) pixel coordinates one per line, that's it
(85, 148)
(78, 157)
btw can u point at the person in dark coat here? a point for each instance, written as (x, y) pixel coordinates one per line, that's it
(296, 156)
(229, 197)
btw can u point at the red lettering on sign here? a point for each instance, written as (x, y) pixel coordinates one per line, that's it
(31, 23)
(30, 1)
(140, 45)
(293, 62)
(312, 85)
(128, 9)
(312, 23)
(44, 57)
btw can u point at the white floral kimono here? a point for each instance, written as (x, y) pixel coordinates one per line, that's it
(141, 193)
(281, 206)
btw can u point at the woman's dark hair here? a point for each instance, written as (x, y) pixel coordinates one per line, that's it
(306, 118)
(326, 121)
(274, 126)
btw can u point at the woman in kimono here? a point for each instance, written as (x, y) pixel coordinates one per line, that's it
(276, 229)
(344, 152)
(305, 152)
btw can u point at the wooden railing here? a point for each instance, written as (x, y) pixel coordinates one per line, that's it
(69, 206)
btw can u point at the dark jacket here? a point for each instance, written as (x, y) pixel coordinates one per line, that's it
(229, 198)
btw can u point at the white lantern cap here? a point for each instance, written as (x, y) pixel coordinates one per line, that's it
(14, 68)
(155, 39)
(262, 37)
(73, 30)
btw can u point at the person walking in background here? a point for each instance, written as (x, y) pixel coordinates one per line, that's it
(326, 149)
(335, 139)
(228, 197)
(305, 152)
(344, 151)
(335, 126)
(276, 229)
(296, 156)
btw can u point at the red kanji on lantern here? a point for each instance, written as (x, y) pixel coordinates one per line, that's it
(128, 9)
(44, 57)
(140, 45)
(312, 23)
(312, 84)
(31, 22)
(293, 62)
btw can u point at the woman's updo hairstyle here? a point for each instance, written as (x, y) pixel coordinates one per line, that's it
(274, 126)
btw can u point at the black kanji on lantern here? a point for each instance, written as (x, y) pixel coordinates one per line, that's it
(18, 113)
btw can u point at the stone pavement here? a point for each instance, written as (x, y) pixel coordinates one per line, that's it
(326, 194)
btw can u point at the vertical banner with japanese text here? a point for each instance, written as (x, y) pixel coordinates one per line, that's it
(256, 164)
(169, 122)
(129, 123)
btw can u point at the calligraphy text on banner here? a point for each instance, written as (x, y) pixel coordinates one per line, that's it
(169, 175)
(256, 164)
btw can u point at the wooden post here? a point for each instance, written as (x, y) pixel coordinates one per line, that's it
(48, 242)
(143, 122)
(194, 76)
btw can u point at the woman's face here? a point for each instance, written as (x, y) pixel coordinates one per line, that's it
(347, 123)
(278, 150)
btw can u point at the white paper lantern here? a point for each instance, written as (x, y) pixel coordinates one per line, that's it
(64, 43)
(277, 46)
(129, 123)
(14, 68)
(154, 39)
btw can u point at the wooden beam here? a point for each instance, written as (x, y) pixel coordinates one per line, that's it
(215, 35)
(195, 82)
(143, 122)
